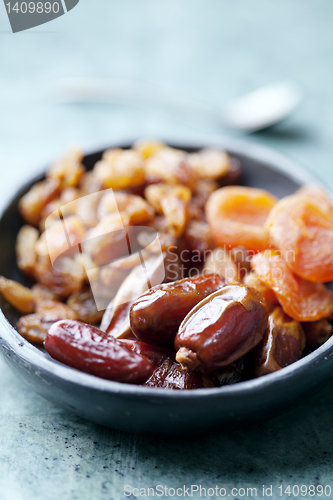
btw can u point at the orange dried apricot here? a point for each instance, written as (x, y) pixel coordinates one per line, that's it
(301, 226)
(300, 299)
(236, 216)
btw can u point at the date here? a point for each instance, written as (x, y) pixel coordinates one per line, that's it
(88, 349)
(281, 345)
(157, 314)
(166, 373)
(221, 328)
(170, 375)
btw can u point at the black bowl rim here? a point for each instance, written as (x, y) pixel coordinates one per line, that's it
(11, 340)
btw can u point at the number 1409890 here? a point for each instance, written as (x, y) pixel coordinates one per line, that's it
(33, 7)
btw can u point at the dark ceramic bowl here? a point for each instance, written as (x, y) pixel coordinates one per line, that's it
(141, 409)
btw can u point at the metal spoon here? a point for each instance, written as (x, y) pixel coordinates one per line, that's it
(249, 113)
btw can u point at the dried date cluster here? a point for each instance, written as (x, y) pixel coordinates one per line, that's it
(243, 292)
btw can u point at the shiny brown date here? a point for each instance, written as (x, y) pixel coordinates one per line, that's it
(88, 349)
(167, 374)
(155, 353)
(170, 375)
(281, 345)
(221, 328)
(157, 314)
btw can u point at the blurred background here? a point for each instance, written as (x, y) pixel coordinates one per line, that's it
(207, 51)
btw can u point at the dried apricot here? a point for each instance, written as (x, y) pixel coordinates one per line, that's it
(301, 226)
(236, 216)
(252, 279)
(302, 300)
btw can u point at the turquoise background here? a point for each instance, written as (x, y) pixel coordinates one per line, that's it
(210, 51)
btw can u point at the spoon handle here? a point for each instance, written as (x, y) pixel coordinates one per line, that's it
(131, 92)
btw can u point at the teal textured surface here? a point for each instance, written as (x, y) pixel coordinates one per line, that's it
(209, 51)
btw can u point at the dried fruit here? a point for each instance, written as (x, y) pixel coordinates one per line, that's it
(42, 294)
(88, 349)
(317, 332)
(107, 241)
(68, 170)
(166, 373)
(53, 310)
(198, 237)
(17, 295)
(155, 353)
(170, 375)
(221, 328)
(236, 216)
(25, 248)
(210, 163)
(117, 316)
(133, 207)
(62, 284)
(282, 344)
(219, 261)
(234, 174)
(172, 202)
(202, 191)
(252, 279)
(148, 147)
(170, 166)
(62, 235)
(33, 328)
(157, 314)
(300, 299)
(301, 226)
(84, 306)
(36, 199)
(90, 183)
(120, 169)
